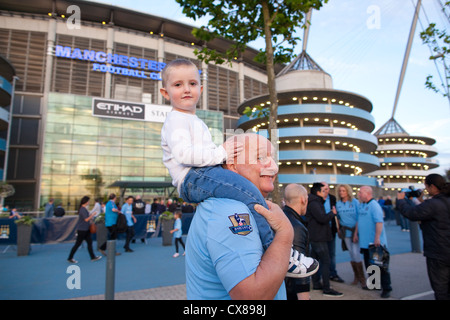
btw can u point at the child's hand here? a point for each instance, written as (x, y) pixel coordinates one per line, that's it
(233, 149)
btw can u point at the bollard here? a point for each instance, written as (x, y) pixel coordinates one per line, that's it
(110, 269)
(414, 234)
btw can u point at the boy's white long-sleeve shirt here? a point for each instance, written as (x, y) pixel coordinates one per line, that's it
(186, 143)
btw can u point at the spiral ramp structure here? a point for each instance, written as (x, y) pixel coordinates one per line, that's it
(323, 134)
(404, 159)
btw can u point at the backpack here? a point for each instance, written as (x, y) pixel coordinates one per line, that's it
(59, 212)
(122, 225)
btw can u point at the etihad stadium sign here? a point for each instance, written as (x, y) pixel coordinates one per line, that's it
(125, 110)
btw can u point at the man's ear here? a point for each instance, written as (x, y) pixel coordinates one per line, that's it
(230, 166)
(304, 201)
(164, 93)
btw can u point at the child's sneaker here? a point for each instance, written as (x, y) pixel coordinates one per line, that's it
(301, 266)
(176, 255)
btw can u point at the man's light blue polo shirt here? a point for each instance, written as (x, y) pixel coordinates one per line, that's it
(369, 214)
(127, 210)
(222, 249)
(110, 216)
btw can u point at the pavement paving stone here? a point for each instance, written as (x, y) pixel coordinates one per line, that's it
(150, 273)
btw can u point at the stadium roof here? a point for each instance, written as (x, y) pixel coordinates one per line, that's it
(302, 62)
(391, 127)
(126, 18)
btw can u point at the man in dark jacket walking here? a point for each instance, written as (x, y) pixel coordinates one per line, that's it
(434, 215)
(318, 222)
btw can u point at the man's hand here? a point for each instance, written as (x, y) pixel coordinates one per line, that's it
(275, 217)
(334, 210)
(377, 242)
(233, 149)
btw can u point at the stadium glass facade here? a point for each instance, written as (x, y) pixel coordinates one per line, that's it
(83, 153)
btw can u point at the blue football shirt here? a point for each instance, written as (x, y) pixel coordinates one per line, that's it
(223, 248)
(369, 214)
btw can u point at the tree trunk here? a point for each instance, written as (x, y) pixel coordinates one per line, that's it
(273, 116)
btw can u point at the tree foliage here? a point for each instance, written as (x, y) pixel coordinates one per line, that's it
(439, 42)
(6, 189)
(244, 21)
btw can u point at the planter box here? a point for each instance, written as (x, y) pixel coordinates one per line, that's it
(23, 239)
(167, 225)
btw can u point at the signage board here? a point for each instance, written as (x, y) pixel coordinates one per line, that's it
(114, 63)
(127, 110)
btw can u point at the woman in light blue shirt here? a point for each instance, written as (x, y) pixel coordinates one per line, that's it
(347, 212)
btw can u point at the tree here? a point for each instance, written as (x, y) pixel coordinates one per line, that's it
(244, 21)
(94, 181)
(6, 190)
(439, 43)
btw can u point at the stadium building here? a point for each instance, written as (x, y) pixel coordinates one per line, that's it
(324, 134)
(7, 79)
(404, 159)
(87, 112)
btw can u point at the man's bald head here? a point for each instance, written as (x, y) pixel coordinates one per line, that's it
(256, 161)
(294, 191)
(296, 197)
(365, 193)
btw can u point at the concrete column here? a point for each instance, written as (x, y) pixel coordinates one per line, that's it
(161, 58)
(205, 86)
(51, 37)
(241, 82)
(109, 50)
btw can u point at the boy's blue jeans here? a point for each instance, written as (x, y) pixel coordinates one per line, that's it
(206, 182)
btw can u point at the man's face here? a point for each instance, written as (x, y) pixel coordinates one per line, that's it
(363, 195)
(322, 193)
(325, 190)
(257, 164)
(431, 191)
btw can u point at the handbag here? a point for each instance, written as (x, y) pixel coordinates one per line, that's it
(92, 228)
(379, 256)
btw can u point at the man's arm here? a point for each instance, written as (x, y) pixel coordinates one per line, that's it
(318, 212)
(421, 212)
(378, 229)
(265, 282)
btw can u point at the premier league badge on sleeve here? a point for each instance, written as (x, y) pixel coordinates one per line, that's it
(241, 224)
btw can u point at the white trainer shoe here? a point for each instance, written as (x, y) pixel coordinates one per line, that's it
(301, 266)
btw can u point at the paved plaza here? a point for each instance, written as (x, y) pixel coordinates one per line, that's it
(150, 273)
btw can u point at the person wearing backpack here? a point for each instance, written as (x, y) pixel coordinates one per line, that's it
(434, 215)
(111, 214)
(59, 211)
